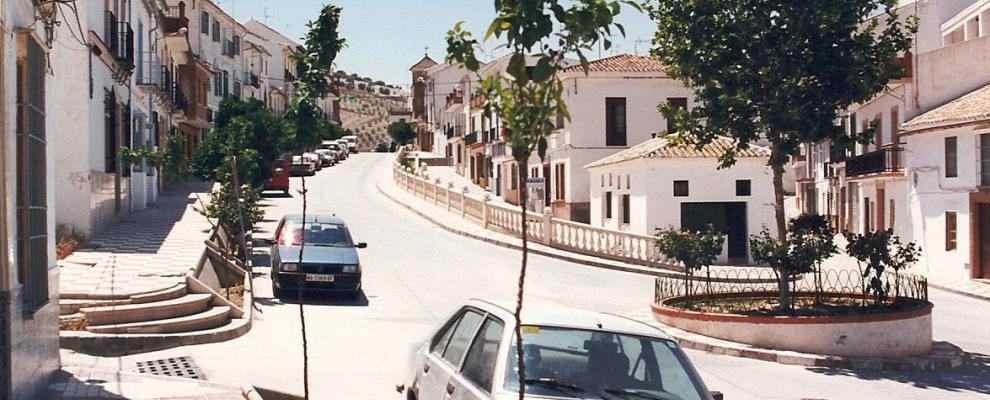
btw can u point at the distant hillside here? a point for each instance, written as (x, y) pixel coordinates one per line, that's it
(367, 115)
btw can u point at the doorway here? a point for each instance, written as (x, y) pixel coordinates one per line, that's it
(981, 268)
(728, 218)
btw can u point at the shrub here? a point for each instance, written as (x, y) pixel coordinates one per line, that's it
(693, 249)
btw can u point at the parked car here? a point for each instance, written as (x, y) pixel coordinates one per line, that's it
(337, 150)
(344, 147)
(301, 166)
(327, 158)
(330, 262)
(279, 179)
(568, 353)
(315, 159)
(351, 143)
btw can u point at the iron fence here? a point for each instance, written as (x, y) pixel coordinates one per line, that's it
(762, 282)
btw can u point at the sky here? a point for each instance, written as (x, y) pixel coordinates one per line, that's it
(386, 37)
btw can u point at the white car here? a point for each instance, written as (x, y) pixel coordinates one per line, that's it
(351, 143)
(568, 354)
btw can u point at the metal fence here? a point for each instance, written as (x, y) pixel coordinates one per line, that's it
(762, 283)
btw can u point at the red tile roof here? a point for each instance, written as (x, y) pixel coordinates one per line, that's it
(974, 106)
(661, 148)
(621, 63)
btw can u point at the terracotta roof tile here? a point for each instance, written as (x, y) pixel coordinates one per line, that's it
(974, 106)
(661, 148)
(621, 63)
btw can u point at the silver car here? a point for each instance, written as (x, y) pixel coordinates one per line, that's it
(567, 353)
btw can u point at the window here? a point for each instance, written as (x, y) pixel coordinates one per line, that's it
(985, 159)
(608, 205)
(677, 103)
(111, 123)
(237, 45)
(895, 123)
(32, 194)
(559, 176)
(950, 231)
(744, 187)
(680, 188)
(479, 364)
(461, 338)
(514, 177)
(878, 134)
(216, 31)
(615, 121)
(625, 209)
(440, 341)
(951, 157)
(204, 23)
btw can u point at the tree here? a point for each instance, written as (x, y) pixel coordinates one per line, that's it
(538, 34)
(246, 129)
(322, 43)
(775, 70)
(809, 241)
(693, 249)
(402, 132)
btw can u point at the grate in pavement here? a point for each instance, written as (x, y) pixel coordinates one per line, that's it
(182, 367)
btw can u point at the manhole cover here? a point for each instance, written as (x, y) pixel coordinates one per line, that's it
(182, 367)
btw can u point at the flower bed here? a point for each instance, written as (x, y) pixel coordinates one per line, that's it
(840, 321)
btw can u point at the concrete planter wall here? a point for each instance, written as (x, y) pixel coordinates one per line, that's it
(896, 334)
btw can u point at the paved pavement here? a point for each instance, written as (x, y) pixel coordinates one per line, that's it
(148, 250)
(81, 384)
(416, 273)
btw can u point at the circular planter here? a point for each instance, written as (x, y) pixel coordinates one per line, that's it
(900, 333)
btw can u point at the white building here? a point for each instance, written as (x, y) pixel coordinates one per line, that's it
(441, 79)
(612, 108)
(949, 174)
(867, 187)
(655, 185)
(29, 352)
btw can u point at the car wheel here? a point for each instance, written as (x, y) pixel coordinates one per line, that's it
(276, 292)
(285, 192)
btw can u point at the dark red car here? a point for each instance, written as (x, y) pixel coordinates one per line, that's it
(279, 179)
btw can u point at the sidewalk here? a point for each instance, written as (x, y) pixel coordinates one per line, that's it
(149, 250)
(83, 383)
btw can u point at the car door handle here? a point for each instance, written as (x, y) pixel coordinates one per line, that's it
(426, 368)
(450, 388)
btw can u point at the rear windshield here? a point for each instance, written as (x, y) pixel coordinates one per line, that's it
(317, 234)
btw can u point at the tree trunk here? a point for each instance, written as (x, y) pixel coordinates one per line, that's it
(523, 166)
(302, 282)
(777, 164)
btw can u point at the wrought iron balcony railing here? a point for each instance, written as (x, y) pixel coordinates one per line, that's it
(886, 160)
(119, 38)
(471, 138)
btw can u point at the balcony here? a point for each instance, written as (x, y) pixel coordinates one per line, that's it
(119, 39)
(253, 80)
(471, 138)
(289, 77)
(150, 73)
(883, 161)
(173, 18)
(838, 153)
(230, 48)
(178, 99)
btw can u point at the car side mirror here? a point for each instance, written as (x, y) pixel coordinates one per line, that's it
(361, 245)
(717, 395)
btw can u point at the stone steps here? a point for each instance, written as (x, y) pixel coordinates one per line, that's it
(173, 292)
(157, 310)
(72, 306)
(211, 318)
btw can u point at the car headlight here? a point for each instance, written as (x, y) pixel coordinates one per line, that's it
(290, 267)
(351, 269)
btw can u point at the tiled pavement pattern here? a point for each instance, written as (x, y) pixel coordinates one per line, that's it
(148, 250)
(81, 383)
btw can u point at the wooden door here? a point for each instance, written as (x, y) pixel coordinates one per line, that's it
(984, 241)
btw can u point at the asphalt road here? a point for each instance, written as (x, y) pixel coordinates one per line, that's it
(415, 274)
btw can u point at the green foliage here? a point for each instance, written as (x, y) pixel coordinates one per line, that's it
(232, 213)
(776, 70)
(693, 249)
(168, 158)
(528, 102)
(875, 252)
(809, 242)
(315, 64)
(402, 132)
(248, 130)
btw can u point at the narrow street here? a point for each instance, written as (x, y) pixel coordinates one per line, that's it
(415, 273)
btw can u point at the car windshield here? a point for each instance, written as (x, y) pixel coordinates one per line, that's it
(317, 234)
(323, 152)
(568, 362)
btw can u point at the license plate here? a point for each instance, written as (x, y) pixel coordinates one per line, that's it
(319, 278)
